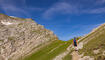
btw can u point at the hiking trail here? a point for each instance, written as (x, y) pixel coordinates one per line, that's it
(75, 56)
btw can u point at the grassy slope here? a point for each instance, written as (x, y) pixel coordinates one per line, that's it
(94, 44)
(50, 51)
(68, 56)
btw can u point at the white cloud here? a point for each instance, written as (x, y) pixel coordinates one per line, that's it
(76, 8)
(17, 7)
(14, 10)
(94, 11)
(9, 7)
(62, 8)
(99, 10)
(100, 2)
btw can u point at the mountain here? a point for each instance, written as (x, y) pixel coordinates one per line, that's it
(20, 37)
(24, 39)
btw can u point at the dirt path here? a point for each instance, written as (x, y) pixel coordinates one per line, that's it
(75, 56)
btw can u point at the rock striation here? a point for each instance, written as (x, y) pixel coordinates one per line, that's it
(19, 36)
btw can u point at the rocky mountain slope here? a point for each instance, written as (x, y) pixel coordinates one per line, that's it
(19, 37)
(93, 44)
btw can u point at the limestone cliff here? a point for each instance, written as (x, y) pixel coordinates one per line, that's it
(19, 36)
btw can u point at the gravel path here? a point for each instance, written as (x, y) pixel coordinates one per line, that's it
(75, 56)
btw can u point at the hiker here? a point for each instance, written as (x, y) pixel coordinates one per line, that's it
(75, 44)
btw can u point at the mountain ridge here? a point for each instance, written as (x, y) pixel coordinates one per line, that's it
(18, 36)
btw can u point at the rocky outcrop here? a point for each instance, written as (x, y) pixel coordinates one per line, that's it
(19, 36)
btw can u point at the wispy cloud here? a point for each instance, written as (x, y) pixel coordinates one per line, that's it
(100, 2)
(12, 10)
(76, 8)
(19, 7)
(11, 7)
(95, 11)
(61, 8)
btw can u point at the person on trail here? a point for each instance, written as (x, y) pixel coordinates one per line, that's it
(75, 43)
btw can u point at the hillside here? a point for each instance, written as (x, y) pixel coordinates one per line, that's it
(19, 37)
(93, 44)
(24, 39)
(50, 51)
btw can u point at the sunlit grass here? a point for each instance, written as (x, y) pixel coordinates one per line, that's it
(50, 51)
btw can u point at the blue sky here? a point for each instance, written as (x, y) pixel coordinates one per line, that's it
(66, 18)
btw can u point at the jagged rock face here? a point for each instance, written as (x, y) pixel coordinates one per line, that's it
(19, 36)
